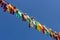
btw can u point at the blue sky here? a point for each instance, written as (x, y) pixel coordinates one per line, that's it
(47, 12)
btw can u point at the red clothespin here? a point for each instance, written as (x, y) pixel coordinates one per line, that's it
(57, 38)
(59, 35)
(11, 11)
(43, 29)
(5, 7)
(2, 3)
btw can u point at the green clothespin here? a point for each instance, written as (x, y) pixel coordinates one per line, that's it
(35, 22)
(47, 32)
(18, 14)
(36, 25)
(29, 20)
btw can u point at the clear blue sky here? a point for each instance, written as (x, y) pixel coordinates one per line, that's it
(46, 12)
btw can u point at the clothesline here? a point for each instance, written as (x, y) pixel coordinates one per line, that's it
(32, 22)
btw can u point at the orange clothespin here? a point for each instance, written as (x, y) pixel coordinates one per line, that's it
(15, 9)
(24, 17)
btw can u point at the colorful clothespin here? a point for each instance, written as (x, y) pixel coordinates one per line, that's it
(39, 26)
(24, 17)
(43, 29)
(59, 35)
(5, 7)
(18, 13)
(51, 32)
(46, 31)
(31, 21)
(10, 8)
(2, 2)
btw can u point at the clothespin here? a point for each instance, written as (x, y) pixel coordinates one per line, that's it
(2, 2)
(5, 7)
(24, 17)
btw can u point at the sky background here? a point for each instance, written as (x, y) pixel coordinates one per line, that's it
(47, 12)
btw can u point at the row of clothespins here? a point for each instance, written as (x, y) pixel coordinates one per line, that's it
(32, 22)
